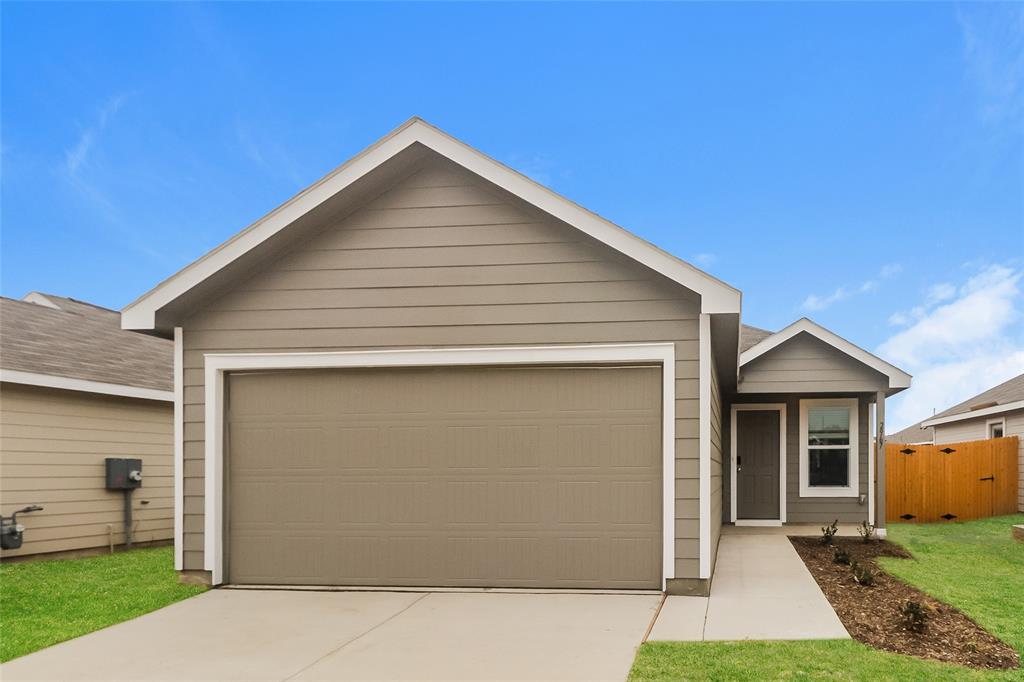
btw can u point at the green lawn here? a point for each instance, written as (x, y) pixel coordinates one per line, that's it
(49, 601)
(975, 566)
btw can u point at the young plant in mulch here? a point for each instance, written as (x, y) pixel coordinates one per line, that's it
(828, 533)
(840, 556)
(876, 609)
(915, 616)
(866, 532)
(862, 574)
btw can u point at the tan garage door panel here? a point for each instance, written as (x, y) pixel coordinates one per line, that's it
(513, 477)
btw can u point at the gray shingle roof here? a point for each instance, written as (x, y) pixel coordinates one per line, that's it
(81, 341)
(1006, 392)
(913, 434)
(751, 336)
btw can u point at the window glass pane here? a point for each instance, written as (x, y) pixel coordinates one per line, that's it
(828, 426)
(995, 431)
(829, 467)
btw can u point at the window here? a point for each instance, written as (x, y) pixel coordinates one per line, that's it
(828, 448)
(996, 428)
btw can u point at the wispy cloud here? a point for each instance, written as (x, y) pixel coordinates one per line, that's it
(959, 347)
(705, 260)
(993, 43)
(818, 302)
(269, 154)
(78, 154)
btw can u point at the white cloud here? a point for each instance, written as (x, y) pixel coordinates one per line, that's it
(77, 155)
(705, 260)
(955, 350)
(993, 41)
(814, 302)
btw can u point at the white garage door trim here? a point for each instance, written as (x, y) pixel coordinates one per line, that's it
(217, 364)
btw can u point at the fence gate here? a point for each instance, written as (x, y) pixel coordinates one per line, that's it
(951, 481)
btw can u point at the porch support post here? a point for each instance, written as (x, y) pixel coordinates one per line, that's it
(880, 460)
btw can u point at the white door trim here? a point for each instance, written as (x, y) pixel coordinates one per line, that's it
(746, 407)
(217, 364)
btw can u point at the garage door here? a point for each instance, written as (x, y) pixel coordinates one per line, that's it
(504, 477)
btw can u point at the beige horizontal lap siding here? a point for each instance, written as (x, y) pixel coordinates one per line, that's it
(806, 364)
(717, 464)
(977, 429)
(443, 260)
(53, 444)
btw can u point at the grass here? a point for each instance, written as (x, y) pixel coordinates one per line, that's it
(49, 601)
(975, 566)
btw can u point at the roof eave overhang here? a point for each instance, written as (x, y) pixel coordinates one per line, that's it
(716, 296)
(83, 385)
(974, 414)
(898, 379)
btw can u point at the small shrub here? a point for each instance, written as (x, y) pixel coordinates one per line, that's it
(840, 555)
(915, 616)
(866, 531)
(829, 532)
(862, 574)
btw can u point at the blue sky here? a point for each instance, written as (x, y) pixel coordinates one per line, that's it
(862, 164)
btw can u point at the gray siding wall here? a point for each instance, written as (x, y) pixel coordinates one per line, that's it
(717, 464)
(443, 260)
(811, 509)
(805, 364)
(977, 429)
(52, 449)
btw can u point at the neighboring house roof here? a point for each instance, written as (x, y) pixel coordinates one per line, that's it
(412, 138)
(913, 434)
(1005, 397)
(898, 379)
(59, 342)
(751, 336)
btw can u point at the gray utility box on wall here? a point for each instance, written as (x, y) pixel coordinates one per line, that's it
(123, 474)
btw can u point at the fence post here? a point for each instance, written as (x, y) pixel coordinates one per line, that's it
(880, 460)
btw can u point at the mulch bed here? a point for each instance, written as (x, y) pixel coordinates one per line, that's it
(873, 614)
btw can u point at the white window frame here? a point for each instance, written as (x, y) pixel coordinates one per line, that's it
(1001, 421)
(216, 365)
(733, 502)
(853, 462)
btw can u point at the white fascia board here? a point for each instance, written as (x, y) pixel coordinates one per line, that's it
(974, 414)
(897, 377)
(716, 296)
(84, 385)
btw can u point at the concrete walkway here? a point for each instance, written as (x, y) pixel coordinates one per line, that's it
(761, 590)
(290, 635)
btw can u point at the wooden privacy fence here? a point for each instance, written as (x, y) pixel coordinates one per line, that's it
(951, 481)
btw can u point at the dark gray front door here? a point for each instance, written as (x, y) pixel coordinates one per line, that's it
(757, 464)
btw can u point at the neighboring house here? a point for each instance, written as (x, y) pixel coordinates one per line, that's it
(915, 434)
(995, 413)
(76, 389)
(427, 369)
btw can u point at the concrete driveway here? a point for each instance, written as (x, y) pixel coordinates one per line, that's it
(294, 635)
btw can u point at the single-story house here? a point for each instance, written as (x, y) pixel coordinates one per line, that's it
(995, 413)
(75, 389)
(428, 370)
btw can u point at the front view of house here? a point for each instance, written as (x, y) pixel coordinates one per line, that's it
(428, 370)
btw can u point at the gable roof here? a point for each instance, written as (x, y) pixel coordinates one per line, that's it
(1005, 397)
(913, 435)
(898, 379)
(751, 336)
(716, 296)
(63, 343)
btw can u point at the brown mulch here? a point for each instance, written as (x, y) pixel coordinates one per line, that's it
(873, 614)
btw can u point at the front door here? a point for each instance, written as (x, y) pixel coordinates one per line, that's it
(757, 464)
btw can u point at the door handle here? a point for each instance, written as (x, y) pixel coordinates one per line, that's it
(739, 462)
(988, 478)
